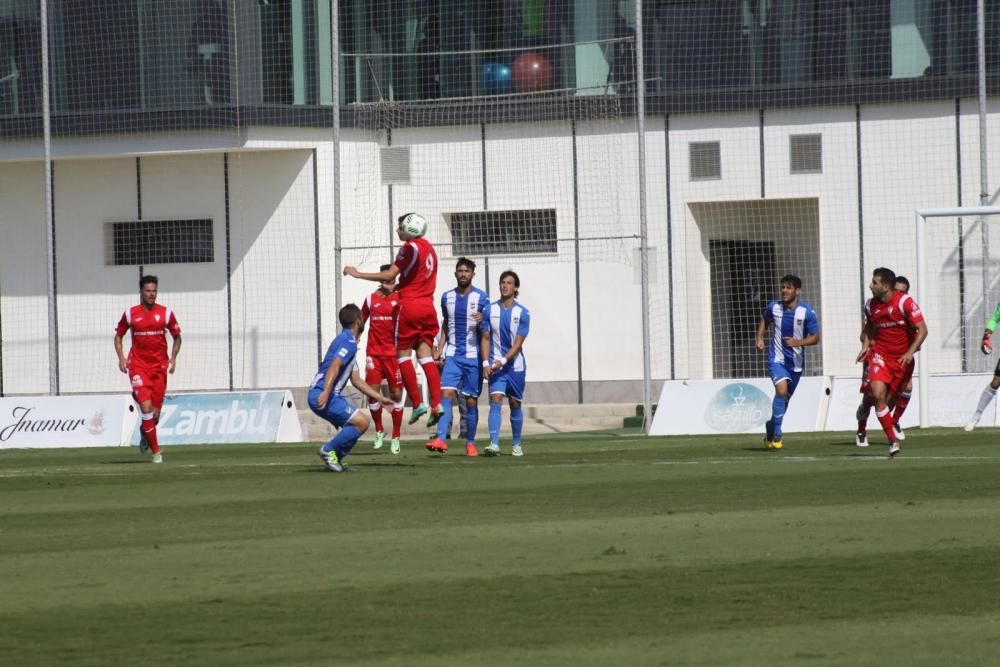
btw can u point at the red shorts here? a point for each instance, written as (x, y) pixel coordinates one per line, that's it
(148, 385)
(888, 371)
(907, 376)
(380, 368)
(416, 322)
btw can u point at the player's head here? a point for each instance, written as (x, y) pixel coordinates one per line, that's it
(148, 286)
(465, 269)
(509, 284)
(902, 285)
(791, 287)
(387, 285)
(411, 226)
(350, 317)
(882, 281)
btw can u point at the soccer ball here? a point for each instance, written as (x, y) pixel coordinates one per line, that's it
(414, 225)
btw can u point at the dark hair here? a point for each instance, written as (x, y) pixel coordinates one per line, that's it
(902, 279)
(400, 219)
(517, 280)
(465, 261)
(148, 279)
(348, 315)
(793, 279)
(887, 276)
(385, 267)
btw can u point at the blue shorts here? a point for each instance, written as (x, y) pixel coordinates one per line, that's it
(462, 374)
(338, 409)
(781, 372)
(508, 382)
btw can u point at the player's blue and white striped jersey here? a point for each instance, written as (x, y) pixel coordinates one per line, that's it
(505, 324)
(345, 348)
(797, 322)
(463, 331)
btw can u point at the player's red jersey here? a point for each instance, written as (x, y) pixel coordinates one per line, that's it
(380, 310)
(892, 323)
(418, 265)
(149, 335)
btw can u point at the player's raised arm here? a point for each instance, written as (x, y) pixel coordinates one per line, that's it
(380, 277)
(986, 346)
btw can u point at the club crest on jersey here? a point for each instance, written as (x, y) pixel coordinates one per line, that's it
(136, 380)
(156, 317)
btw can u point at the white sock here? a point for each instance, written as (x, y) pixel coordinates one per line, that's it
(984, 400)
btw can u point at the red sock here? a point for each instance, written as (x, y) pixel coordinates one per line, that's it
(397, 420)
(433, 376)
(409, 374)
(376, 410)
(902, 400)
(885, 419)
(149, 431)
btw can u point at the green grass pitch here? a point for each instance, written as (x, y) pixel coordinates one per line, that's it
(594, 549)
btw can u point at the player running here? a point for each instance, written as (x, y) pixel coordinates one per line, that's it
(416, 266)
(889, 347)
(381, 363)
(899, 401)
(463, 311)
(508, 323)
(325, 400)
(147, 364)
(795, 326)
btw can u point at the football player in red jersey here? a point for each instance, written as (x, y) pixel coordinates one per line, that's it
(889, 316)
(147, 363)
(417, 325)
(381, 363)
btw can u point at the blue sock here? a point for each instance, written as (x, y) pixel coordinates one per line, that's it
(778, 405)
(516, 423)
(444, 424)
(471, 422)
(769, 430)
(494, 421)
(343, 442)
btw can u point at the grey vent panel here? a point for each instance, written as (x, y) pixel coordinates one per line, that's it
(806, 153)
(706, 160)
(395, 164)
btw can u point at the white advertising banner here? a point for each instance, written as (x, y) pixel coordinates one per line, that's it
(691, 407)
(65, 421)
(229, 417)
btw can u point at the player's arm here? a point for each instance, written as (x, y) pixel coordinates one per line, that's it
(442, 338)
(120, 351)
(918, 340)
(366, 388)
(761, 330)
(484, 349)
(986, 346)
(812, 333)
(379, 277)
(174, 351)
(331, 373)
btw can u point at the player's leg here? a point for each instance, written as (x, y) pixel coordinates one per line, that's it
(395, 381)
(471, 385)
(515, 396)
(144, 392)
(881, 391)
(864, 408)
(985, 399)
(450, 379)
(407, 336)
(463, 421)
(433, 375)
(373, 378)
(900, 402)
(351, 422)
(494, 419)
(471, 419)
(781, 378)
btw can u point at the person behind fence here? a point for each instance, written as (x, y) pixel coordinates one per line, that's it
(986, 347)
(325, 400)
(147, 364)
(462, 313)
(504, 365)
(795, 327)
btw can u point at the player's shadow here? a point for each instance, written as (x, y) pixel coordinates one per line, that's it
(123, 463)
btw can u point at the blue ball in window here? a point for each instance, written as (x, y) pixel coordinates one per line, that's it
(496, 78)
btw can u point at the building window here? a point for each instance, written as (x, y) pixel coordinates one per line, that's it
(806, 153)
(159, 242)
(706, 160)
(504, 232)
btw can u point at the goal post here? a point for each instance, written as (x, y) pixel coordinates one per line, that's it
(954, 254)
